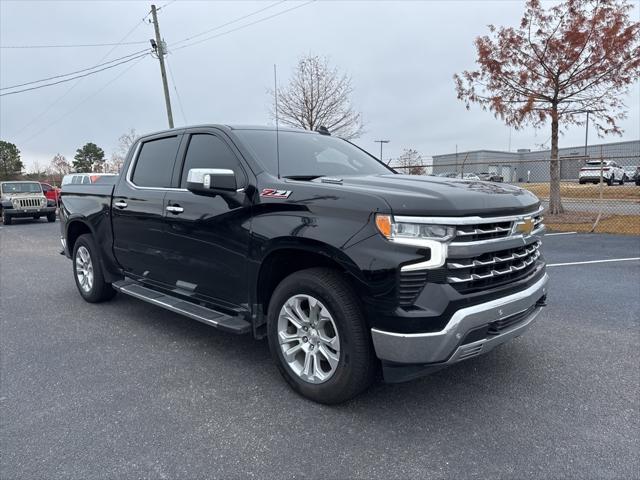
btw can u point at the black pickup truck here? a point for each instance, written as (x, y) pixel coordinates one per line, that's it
(306, 239)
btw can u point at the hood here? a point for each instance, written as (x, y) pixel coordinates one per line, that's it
(426, 195)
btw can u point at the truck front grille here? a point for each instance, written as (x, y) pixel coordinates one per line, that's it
(492, 269)
(29, 202)
(485, 231)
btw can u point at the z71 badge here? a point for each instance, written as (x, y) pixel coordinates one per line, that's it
(273, 193)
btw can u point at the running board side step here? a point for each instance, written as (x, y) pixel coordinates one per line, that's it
(211, 317)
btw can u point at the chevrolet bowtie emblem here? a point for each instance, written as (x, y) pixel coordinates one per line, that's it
(524, 226)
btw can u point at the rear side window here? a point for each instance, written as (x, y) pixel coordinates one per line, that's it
(155, 163)
(209, 151)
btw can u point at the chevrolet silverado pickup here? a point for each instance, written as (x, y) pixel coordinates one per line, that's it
(344, 265)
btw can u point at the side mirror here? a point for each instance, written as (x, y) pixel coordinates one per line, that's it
(211, 181)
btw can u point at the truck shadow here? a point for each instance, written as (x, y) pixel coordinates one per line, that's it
(471, 386)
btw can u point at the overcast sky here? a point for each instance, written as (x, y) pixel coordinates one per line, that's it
(401, 57)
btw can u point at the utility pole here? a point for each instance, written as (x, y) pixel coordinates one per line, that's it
(160, 50)
(586, 134)
(381, 142)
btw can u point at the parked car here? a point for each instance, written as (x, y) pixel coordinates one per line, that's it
(637, 176)
(84, 178)
(608, 170)
(321, 248)
(465, 176)
(630, 173)
(470, 176)
(51, 192)
(490, 177)
(21, 199)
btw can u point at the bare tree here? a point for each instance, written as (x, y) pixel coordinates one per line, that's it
(125, 141)
(578, 56)
(411, 162)
(318, 96)
(58, 168)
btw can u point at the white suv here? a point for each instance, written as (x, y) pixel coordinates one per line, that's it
(611, 172)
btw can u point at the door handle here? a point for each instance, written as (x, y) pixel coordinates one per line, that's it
(175, 209)
(120, 204)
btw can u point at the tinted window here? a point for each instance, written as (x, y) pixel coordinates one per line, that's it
(155, 163)
(309, 154)
(209, 151)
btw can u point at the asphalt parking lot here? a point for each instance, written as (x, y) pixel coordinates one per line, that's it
(127, 390)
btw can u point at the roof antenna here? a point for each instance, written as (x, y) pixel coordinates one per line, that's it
(275, 91)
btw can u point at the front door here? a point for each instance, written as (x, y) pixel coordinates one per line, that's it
(140, 244)
(209, 236)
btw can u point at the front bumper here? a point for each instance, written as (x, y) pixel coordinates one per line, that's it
(28, 212)
(451, 344)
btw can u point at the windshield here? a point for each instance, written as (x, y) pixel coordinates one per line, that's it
(309, 154)
(18, 187)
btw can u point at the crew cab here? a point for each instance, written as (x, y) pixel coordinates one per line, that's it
(342, 264)
(24, 199)
(607, 170)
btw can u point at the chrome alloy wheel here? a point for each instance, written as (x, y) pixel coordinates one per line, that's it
(84, 269)
(308, 338)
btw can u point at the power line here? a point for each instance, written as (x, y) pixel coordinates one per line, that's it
(175, 87)
(229, 22)
(72, 73)
(245, 25)
(73, 78)
(89, 97)
(74, 85)
(75, 45)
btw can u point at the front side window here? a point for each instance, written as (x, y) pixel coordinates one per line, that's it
(154, 165)
(209, 151)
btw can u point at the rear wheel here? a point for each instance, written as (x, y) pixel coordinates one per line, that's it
(622, 180)
(318, 336)
(610, 181)
(88, 271)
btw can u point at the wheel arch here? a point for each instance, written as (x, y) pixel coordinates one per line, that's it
(287, 256)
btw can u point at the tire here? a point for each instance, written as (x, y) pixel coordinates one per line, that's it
(581, 182)
(6, 219)
(355, 367)
(37, 217)
(92, 288)
(610, 181)
(621, 181)
(51, 217)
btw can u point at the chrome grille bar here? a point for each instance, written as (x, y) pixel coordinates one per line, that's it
(496, 259)
(496, 273)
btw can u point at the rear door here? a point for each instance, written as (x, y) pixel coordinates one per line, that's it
(140, 245)
(208, 237)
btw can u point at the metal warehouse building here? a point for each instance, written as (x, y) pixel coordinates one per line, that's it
(533, 166)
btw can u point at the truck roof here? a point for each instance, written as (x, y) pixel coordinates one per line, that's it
(231, 127)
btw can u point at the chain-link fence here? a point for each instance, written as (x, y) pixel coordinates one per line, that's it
(599, 193)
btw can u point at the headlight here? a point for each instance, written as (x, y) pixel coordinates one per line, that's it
(43, 202)
(433, 238)
(394, 231)
(16, 203)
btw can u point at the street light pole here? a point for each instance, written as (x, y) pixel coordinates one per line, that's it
(381, 142)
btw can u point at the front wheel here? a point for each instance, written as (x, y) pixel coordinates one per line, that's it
(610, 181)
(318, 336)
(6, 218)
(51, 217)
(88, 271)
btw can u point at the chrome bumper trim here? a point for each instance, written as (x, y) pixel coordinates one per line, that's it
(442, 346)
